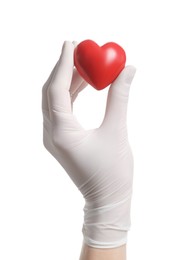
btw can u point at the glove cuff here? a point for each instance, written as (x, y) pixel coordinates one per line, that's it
(107, 226)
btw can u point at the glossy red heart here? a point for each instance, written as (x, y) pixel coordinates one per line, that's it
(99, 66)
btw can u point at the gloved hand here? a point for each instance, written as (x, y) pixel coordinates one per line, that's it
(99, 161)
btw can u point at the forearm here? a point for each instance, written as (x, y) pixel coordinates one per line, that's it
(90, 253)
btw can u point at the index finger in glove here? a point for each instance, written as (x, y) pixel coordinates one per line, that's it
(58, 91)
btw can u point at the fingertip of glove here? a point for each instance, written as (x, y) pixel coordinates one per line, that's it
(67, 49)
(128, 74)
(67, 44)
(75, 43)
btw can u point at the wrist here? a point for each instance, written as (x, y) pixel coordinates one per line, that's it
(90, 253)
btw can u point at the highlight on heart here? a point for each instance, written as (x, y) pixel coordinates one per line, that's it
(99, 65)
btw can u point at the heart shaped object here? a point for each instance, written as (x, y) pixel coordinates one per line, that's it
(99, 66)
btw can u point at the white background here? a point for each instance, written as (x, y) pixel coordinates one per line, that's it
(41, 211)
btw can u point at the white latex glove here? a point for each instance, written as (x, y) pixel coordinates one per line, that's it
(99, 161)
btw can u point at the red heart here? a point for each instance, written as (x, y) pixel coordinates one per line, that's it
(99, 66)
